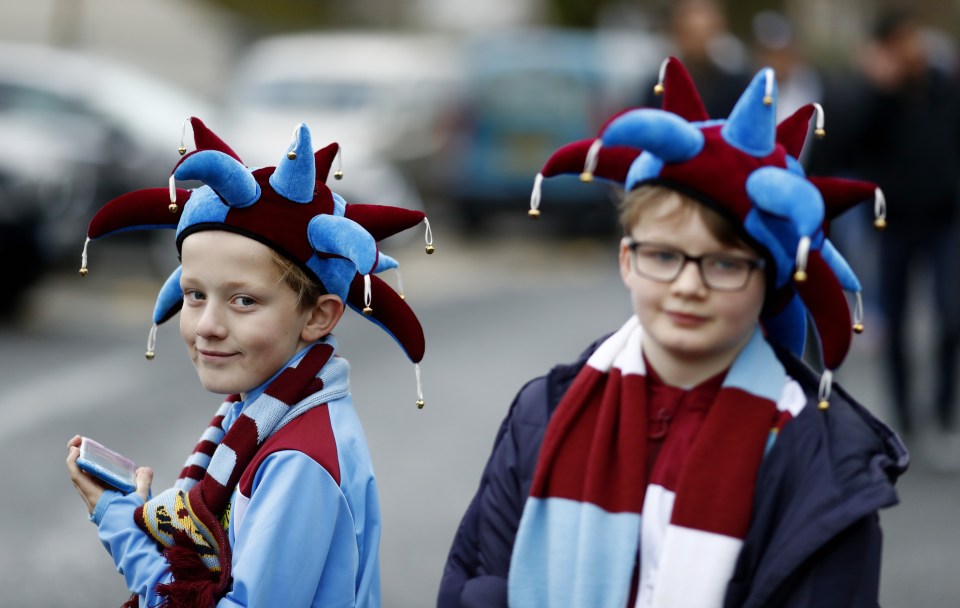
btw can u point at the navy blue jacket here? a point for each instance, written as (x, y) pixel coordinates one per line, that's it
(814, 538)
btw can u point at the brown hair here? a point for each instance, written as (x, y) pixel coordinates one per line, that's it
(308, 289)
(653, 198)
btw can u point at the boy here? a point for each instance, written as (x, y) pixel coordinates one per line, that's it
(690, 458)
(277, 506)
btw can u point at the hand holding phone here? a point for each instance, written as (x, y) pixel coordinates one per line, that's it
(106, 465)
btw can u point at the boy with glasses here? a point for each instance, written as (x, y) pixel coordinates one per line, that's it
(691, 458)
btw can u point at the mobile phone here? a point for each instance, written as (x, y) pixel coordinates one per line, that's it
(107, 466)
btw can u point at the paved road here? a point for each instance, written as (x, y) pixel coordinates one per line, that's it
(74, 364)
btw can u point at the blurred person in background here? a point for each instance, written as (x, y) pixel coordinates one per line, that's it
(904, 134)
(775, 45)
(716, 59)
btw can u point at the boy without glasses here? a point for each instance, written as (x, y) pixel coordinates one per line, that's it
(277, 506)
(691, 458)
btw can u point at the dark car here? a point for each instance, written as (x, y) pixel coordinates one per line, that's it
(77, 130)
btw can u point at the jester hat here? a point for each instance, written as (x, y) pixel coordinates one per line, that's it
(746, 168)
(290, 209)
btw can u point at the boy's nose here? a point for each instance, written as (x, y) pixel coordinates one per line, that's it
(689, 280)
(210, 323)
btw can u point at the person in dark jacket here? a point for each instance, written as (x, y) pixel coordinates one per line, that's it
(691, 458)
(906, 124)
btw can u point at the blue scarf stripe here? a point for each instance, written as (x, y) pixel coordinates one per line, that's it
(596, 562)
(266, 411)
(757, 370)
(222, 464)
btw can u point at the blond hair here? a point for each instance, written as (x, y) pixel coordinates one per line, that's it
(308, 289)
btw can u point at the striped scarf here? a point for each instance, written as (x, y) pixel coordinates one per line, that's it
(188, 521)
(592, 511)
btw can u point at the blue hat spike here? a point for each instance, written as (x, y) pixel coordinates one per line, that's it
(296, 174)
(752, 125)
(789, 326)
(227, 176)
(169, 302)
(385, 262)
(787, 196)
(840, 267)
(345, 238)
(664, 134)
(848, 280)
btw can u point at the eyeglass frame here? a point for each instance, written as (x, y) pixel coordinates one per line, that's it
(752, 263)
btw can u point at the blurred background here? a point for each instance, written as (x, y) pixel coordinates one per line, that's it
(449, 107)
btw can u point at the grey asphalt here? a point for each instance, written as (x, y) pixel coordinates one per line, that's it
(495, 313)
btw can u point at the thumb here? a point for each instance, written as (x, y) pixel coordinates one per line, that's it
(144, 479)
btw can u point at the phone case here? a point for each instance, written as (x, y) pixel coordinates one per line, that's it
(107, 465)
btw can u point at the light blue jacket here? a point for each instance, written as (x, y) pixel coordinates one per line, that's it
(302, 540)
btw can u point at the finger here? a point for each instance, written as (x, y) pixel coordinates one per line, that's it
(144, 479)
(73, 453)
(74, 441)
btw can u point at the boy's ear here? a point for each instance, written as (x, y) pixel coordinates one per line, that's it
(324, 316)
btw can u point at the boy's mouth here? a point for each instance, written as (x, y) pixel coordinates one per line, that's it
(213, 355)
(686, 319)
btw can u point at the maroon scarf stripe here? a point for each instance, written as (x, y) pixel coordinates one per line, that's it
(193, 471)
(589, 415)
(292, 381)
(722, 473)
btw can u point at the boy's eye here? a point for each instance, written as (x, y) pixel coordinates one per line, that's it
(660, 256)
(244, 301)
(727, 264)
(192, 295)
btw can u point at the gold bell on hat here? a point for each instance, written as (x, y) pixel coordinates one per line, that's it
(533, 214)
(292, 155)
(858, 328)
(420, 404)
(367, 311)
(338, 174)
(173, 207)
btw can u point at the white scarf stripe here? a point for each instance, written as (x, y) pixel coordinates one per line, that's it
(692, 583)
(602, 358)
(793, 399)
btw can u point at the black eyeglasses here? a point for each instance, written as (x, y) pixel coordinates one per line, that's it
(719, 271)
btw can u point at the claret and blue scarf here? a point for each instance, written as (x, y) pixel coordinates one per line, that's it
(592, 512)
(590, 502)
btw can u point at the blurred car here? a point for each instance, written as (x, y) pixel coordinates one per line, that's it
(376, 94)
(526, 93)
(77, 130)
